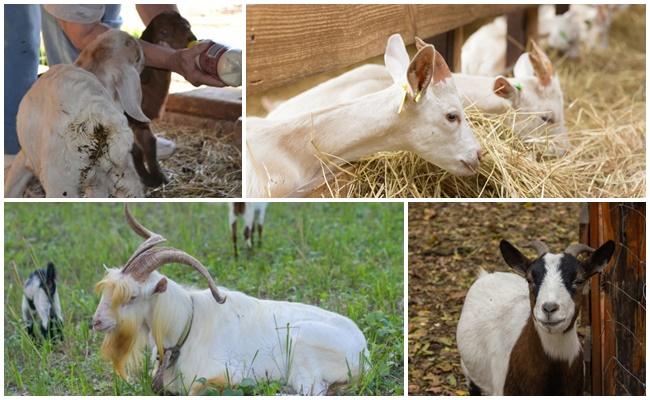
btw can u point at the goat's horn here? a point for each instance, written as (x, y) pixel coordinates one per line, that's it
(152, 238)
(540, 247)
(154, 258)
(578, 248)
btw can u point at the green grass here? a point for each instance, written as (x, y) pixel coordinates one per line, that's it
(346, 258)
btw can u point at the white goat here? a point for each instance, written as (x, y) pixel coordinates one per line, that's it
(534, 92)
(71, 125)
(253, 214)
(517, 334)
(419, 112)
(40, 297)
(221, 335)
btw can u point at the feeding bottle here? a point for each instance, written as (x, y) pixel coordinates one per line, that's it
(221, 61)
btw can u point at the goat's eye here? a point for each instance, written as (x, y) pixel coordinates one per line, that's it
(452, 117)
(132, 299)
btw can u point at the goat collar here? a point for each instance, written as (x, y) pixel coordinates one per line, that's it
(170, 356)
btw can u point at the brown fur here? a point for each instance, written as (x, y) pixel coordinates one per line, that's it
(174, 30)
(532, 373)
(239, 208)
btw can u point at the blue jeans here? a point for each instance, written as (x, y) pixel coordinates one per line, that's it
(22, 42)
(58, 47)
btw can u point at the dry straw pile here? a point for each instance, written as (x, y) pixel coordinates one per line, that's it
(605, 115)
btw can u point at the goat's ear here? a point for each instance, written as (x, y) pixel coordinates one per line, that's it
(419, 43)
(513, 257)
(396, 58)
(599, 259)
(161, 286)
(420, 71)
(441, 70)
(129, 92)
(50, 274)
(503, 88)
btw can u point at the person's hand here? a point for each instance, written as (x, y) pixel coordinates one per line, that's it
(184, 63)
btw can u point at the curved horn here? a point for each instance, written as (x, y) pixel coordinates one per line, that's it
(540, 247)
(577, 248)
(152, 238)
(153, 259)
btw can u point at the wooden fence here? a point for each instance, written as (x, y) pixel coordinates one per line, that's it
(286, 42)
(616, 311)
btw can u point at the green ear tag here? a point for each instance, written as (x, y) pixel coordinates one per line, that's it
(564, 36)
(518, 86)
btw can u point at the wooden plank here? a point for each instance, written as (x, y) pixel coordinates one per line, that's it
(595, 218)
(516, 42)
(212, 103)
(286, 42)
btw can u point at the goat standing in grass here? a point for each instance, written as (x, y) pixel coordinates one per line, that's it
(517, 333)
(253, 214)
(40, 297)
(220, 335)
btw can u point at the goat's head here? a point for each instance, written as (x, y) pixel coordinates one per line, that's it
(116, 59)
(555, 281)
(537, 96)
(564, 34)
(434, 119)
(169, 29)
(126, 294)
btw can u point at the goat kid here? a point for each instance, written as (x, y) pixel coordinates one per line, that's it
(534, 92)
(253, 215)
(41, 299)
(221, 335)
(517, 333)
(171, 30)
(71, 124)
(420, 111)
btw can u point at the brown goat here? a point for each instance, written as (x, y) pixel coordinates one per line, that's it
(166, 29)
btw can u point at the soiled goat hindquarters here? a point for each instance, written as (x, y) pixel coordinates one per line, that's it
(71, 125)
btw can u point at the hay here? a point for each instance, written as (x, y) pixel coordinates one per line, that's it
(604, 113)
(206, 163)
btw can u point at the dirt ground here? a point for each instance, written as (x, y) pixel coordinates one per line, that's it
(448, 242)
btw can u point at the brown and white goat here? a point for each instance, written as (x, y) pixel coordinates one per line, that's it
(253, 215)
(166, 29)
(517, 333)
(217, 336)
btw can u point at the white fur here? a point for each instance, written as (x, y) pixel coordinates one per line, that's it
(42, 303)
(56, 122)
(245, 337)
(484, 52)
(285, 154)
(533, 101)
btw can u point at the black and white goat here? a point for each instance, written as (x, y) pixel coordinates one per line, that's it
(253, 215)
(517, 332)
(40, 297)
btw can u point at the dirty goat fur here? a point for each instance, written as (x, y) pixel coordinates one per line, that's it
(232, 336)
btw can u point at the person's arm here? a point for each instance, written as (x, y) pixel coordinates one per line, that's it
(179, 61)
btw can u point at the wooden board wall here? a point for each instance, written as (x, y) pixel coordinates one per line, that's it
(286, 42)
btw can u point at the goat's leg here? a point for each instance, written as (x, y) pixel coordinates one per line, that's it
(259, 235)
(233, 230)
(249, 222)
(18, 176)
(260, 224)
(144, 153)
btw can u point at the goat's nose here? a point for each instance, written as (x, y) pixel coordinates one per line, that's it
(550, 308)
(479, 154)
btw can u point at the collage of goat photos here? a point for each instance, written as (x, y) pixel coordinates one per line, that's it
(281, 198)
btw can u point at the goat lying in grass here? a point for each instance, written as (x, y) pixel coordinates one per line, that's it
(40, 297)
(220, 335)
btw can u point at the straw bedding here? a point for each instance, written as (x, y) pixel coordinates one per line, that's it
(604, 112)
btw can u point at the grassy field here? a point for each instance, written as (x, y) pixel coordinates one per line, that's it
(346, 258)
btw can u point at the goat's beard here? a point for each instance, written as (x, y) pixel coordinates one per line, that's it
(124, 345)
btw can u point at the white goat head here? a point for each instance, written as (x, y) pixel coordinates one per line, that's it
(127, 296)
(538, 97)
(438, 130)
(117, 59)
(556, 281)
(564, 33)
